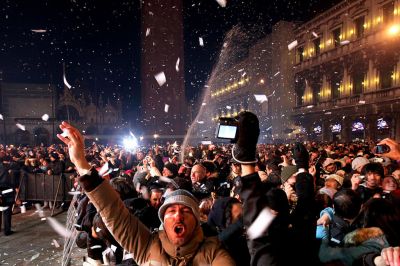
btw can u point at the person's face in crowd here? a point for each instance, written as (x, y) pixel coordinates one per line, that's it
(236, 211)
(166, 172)
(389, 183)
(140, 155)
(292, 180)
(330, 168)
(179, 224)
(155, 199)
(198, 173)
(236, 168)
(396, 175)
(373, 180)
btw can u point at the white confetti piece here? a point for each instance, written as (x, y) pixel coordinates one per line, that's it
(43, 219)
(166, 107)
(74, 192)
(147, 32)
(95, 247)
(201, 42)
(98, 229)
(7, 191)
(292, 45)
(315, 34)
(228, 107)
(344, 42)
(66, 82)
(58, 227)
(3, 208)
(20, 126)
(77, 225)
(1, 117)
(164, 179)
(39, 30)
(34, 257)
(39, 210)
(261, 98)
(104, 169)
(45, 117)
(161, 79)
(277, 73)
(203, 104)
(56, 243)
(222, 3)
(200, 122)
(260, 224)
(361, 102)
(177, 64)
(240, 70)
(310, 106)
(113, 248)
(128, 256)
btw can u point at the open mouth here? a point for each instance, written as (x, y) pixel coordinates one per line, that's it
(179, 229)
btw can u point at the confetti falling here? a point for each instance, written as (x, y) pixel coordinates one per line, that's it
(261, 98)
(20, 126)
(344, 42)
(222, 3)
(292, 45)
(166, 108)
(1, 117)
(7, 191)
(66, 82)
(260, 224)
(147, 32)
(161, 79)
(39, 30)
(177, 65)
(201, 42)
(315, 34)
(56, 244)
(45, 117)
(58, 227)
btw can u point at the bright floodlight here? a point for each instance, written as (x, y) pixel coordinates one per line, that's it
(130, 143)
(394, 29)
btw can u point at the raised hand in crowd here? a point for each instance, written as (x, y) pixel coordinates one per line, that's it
(394, 152)
(391, 256)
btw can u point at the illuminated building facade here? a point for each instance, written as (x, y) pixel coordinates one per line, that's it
(347, 79)
(260, 83)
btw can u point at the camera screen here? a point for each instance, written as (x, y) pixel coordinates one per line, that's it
(226, 132)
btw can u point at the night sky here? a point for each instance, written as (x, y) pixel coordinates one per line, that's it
(99, 41)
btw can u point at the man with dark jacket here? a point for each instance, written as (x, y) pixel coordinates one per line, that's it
(6, 198)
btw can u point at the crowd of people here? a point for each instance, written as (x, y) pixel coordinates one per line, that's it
(233, 204)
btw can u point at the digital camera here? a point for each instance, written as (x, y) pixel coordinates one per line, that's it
(227, 128)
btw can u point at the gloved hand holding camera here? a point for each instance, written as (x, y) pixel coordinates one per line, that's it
(248, 130)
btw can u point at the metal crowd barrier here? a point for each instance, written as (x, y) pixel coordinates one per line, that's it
(43, 187)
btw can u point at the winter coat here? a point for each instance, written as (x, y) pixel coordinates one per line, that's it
(149, 248)
(357, 243)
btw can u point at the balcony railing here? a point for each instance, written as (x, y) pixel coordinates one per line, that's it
(373, 97)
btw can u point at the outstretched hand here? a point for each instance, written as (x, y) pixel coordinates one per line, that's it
(76, 147)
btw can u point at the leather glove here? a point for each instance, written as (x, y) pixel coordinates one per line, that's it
(244, 150)
(301, 156)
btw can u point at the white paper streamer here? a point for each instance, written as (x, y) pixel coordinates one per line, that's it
(177, 64)
(56, 243)
(58, 227)
(95, 247)
(1, 117)
(201, 41)
(7, 191)
(161, 79)
(260, 224)
(147, 32)
(20, 126)
(292, 45)
(344, 42)
(315, 34)
(66, 82)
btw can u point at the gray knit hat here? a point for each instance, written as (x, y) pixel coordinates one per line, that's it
(182, 197)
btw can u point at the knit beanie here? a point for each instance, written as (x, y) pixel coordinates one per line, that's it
(287, 172)
(182, 197)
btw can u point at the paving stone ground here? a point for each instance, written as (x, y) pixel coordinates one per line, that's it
(33, 242)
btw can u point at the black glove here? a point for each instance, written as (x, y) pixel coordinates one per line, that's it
(244, 150)
(300, 155)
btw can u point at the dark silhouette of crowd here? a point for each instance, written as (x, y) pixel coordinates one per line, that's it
(319, 203)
